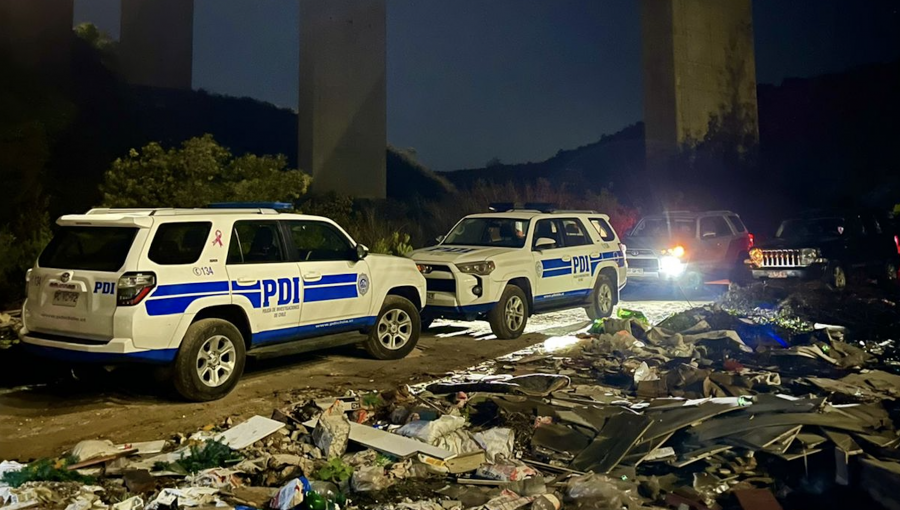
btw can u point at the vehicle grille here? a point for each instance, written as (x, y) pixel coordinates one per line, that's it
(439, 268)
(645, 264)
(639, 253)
(440, 285)
(781, 258)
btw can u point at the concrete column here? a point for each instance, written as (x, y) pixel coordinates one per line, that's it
(156, 43)
(699, 63)
(343, 98)
(37, 34)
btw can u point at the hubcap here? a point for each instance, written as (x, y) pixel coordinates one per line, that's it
(605, 299)
(216, 361)
(515, 313)
(840, 278)
(394, 329)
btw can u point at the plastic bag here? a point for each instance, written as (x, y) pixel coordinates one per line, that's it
(430, 431)
(290, 495)
(507, 471)
(497, 442)
(332, 432)
(369, 479)
(601, 492)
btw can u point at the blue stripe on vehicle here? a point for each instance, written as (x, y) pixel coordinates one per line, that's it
(556, 272)
(173, 305)
(158, 356)
(310, 330)
(235, 286)
(332, 279)
(555, 263)
(563, 295)
(254, 297)
(190, 288)
(315, 294)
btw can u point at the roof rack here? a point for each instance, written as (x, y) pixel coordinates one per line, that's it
(542, 207)
(176, 212)
(575, 211)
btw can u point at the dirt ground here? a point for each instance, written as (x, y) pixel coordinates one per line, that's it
(128, 405)
(124, 407)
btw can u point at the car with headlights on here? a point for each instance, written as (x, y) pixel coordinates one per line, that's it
(686, 248)
(834, 247)
(504, 266)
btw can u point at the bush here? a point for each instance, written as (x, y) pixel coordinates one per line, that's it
(198, 173)
(20, 245)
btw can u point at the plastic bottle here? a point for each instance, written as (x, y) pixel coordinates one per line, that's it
(546, 502)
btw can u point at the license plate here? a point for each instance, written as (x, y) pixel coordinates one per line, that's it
(636, 270)
(63, 298)
(778, 274)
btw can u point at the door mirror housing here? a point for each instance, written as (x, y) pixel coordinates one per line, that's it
(544, 243)
(440, 239)
(362, 251)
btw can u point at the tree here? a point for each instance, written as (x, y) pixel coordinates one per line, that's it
(199, 172)
(106, 46)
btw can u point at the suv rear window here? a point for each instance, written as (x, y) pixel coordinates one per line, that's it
(179, 243)
(88, 248)
(603, 228)
(737, 223)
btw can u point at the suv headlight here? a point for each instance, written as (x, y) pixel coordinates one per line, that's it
(479, 268)
(809, 255)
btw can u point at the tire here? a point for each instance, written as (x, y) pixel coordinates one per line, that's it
(741, 275)
(603, 299)
(210, 361)
(396, 330)
(510, 315)
(836, 276)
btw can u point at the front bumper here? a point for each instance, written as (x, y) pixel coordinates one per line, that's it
(812, 272)
(74, 350)
(459, 296)
(651, 270)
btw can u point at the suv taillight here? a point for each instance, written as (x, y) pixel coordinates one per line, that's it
(134, 287)
(750, 241)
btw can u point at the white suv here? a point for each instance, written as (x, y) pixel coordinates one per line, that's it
(201, 289)
(505, 266)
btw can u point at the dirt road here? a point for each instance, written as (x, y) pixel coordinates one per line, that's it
(128, 405)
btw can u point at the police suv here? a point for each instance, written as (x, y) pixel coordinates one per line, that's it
(201, 289)
(506, 265)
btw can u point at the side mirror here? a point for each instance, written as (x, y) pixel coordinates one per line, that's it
(361, 251)
(544, 243)
(440, 239)
(708, 235)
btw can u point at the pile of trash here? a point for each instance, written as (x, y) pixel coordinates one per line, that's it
(706, 410)
(10, 323)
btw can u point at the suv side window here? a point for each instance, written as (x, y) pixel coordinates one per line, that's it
(546, 229)
(179, 243)
(318, 241)
(255, 242)
(714, 226)
(573, 233)
(737, 223)
(603, 228)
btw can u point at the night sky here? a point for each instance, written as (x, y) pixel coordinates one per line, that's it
(470, 80)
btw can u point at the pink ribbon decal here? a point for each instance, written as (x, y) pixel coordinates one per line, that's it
(218, 239)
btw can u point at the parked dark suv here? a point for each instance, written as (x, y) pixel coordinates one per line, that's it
(830, 246)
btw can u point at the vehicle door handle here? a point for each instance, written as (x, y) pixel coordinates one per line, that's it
(567, 258)
(243, 281)
(312, 277)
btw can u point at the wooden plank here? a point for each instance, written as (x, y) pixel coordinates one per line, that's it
(667, 422)
(729, 426)
(764, 437)
(618, 436)
(698, 455)
(757, 499)
(843, 442)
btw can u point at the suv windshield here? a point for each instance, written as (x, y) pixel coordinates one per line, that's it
(88, 248)
(804, 229)
(666, 227)
(501, 232)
